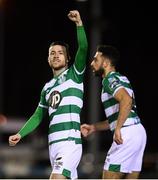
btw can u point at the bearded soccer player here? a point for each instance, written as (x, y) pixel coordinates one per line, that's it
(62, 98)
(124, 159)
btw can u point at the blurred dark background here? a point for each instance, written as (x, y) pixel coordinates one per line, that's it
(26, 30)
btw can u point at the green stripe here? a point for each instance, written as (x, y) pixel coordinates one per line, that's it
(64, 126)
(127, 85)
(114, 116)
(72, 92)
(110, 102)
(77, 140)
(66, 109)
(115, 167)
(66, 173)
(74, 76)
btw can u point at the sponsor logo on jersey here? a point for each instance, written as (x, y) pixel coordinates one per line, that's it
(55, 99)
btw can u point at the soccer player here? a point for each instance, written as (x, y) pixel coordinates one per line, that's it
(62, 98)
(124, 158)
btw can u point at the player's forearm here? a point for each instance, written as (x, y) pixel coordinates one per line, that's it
(33, 122)
(101, 126)
(81, 55)
(82, 38)
(124, 110)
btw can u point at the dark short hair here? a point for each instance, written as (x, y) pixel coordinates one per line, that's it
(61, 43)
(110, 52)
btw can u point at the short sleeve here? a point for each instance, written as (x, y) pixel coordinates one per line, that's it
(43, 103)
(112, 85)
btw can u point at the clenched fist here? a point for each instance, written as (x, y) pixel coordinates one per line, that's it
(75, 17)
(13, 140)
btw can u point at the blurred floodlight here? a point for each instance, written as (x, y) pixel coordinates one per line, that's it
(1, 3)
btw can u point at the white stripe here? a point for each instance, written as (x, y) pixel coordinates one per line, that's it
(49, 84)
(64, 134)
(117, 89)
(129, 121)
(69, 83)
(124, 79)
(42, 106)
(130, 91)
(71, 100)
(105, 97)
(112, 125)
(51, 110)
(67, 117)
(112, 109)
(66, 85)
(79, 73)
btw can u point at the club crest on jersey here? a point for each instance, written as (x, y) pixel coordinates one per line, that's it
(55, 99)
(62, 79)
(113, 83)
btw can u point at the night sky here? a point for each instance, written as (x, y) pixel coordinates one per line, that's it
(30, 27)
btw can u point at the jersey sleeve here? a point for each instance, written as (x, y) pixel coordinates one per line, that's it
(36, 118)
(43, 103)
(112, 85)
(81, 55)
(33, 122)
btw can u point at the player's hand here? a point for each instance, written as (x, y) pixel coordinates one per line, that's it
(13, 140)
(75, 17)
(117, 137)
(87, 129)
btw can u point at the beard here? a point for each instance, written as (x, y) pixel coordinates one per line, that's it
(58, 67)
(99, 72)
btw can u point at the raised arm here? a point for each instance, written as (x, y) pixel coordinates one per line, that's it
(81, 55)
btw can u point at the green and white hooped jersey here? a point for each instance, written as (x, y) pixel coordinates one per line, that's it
(63, 97)
(111, 84)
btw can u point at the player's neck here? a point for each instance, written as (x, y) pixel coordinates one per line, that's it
(108, 70)
(58, 72)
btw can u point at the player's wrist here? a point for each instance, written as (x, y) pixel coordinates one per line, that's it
(79, 23)
(18, 135)
(93, 128)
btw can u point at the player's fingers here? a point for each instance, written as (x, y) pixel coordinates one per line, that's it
(72, 14)
(84, 125)
(15, 138)
(11, 143)
(118, 141)
(12, 138)
(84, 132)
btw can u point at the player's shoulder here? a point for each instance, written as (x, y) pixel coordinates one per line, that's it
(111, 78)
(49, 83)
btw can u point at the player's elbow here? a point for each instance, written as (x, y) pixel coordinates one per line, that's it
(84, 46)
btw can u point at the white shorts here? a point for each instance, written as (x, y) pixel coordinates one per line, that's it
(128, 156)
(65, 157)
